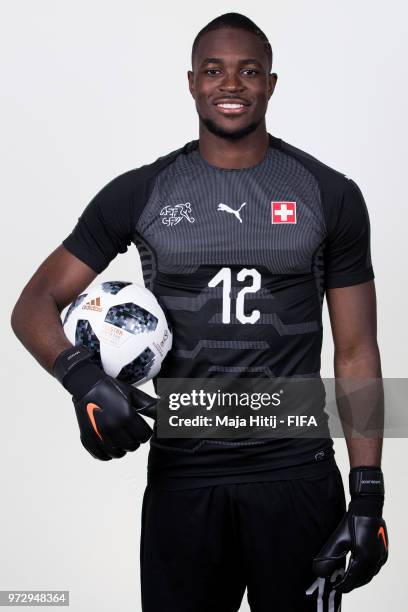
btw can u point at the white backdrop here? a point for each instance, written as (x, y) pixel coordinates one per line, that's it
(93, 88)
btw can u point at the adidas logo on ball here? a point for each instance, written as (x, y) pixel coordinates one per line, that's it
(93, 305)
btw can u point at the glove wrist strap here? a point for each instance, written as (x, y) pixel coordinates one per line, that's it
(75, 370)
(366, 480)
(68, 360)
(367, 491)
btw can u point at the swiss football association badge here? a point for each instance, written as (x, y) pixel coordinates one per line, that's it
(283, 212)
(174, 213)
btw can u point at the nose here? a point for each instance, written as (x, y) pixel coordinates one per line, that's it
(231, 82)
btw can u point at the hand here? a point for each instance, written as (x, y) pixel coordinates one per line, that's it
(362, 532)
(107, 409)
(108, 418)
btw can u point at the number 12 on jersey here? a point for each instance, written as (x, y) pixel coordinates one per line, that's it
(224, 276)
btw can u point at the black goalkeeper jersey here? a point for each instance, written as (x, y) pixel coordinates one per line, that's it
(240, 259)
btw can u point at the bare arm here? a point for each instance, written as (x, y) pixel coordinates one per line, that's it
(353, 319)
(36, 315)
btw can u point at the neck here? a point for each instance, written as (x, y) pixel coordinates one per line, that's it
(225, 153)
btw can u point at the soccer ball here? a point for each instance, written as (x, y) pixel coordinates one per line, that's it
(124, 327)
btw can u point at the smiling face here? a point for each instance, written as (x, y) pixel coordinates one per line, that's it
(231, 82)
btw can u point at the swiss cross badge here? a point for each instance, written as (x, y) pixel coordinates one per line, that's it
(283, 212)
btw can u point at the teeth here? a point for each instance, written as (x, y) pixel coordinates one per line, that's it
(225, 105)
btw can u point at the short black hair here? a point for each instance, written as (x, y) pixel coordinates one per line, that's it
(234, 20)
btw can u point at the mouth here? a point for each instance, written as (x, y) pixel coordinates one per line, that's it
(231, 108)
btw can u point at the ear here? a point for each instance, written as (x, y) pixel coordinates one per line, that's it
(272, 79)
(190, 76)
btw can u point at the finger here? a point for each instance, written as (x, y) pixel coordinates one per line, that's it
(332, 555)
(325, 566)
(95, 449)
(144, 403)
(116, 438)
(357, 574)
(112, 447)
(122, 440)
(131, 443)
(138, 429)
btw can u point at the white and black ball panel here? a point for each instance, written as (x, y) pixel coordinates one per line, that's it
(132, 318)
(85, 336)
(138, 369)
(113, 287)
(74, 304)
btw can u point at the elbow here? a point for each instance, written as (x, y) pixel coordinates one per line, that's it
(15, 318)
(21, 311)
(362, 359)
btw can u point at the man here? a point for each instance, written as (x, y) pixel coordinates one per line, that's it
(240, 235)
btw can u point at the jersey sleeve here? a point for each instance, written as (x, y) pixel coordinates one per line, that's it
(106, 225)
(348, 254)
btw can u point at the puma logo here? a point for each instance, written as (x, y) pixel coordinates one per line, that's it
(226, 208)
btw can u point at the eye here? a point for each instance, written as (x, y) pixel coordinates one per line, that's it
(211, 70)
(254, 72)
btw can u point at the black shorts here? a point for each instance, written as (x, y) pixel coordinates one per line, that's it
(200, 548)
